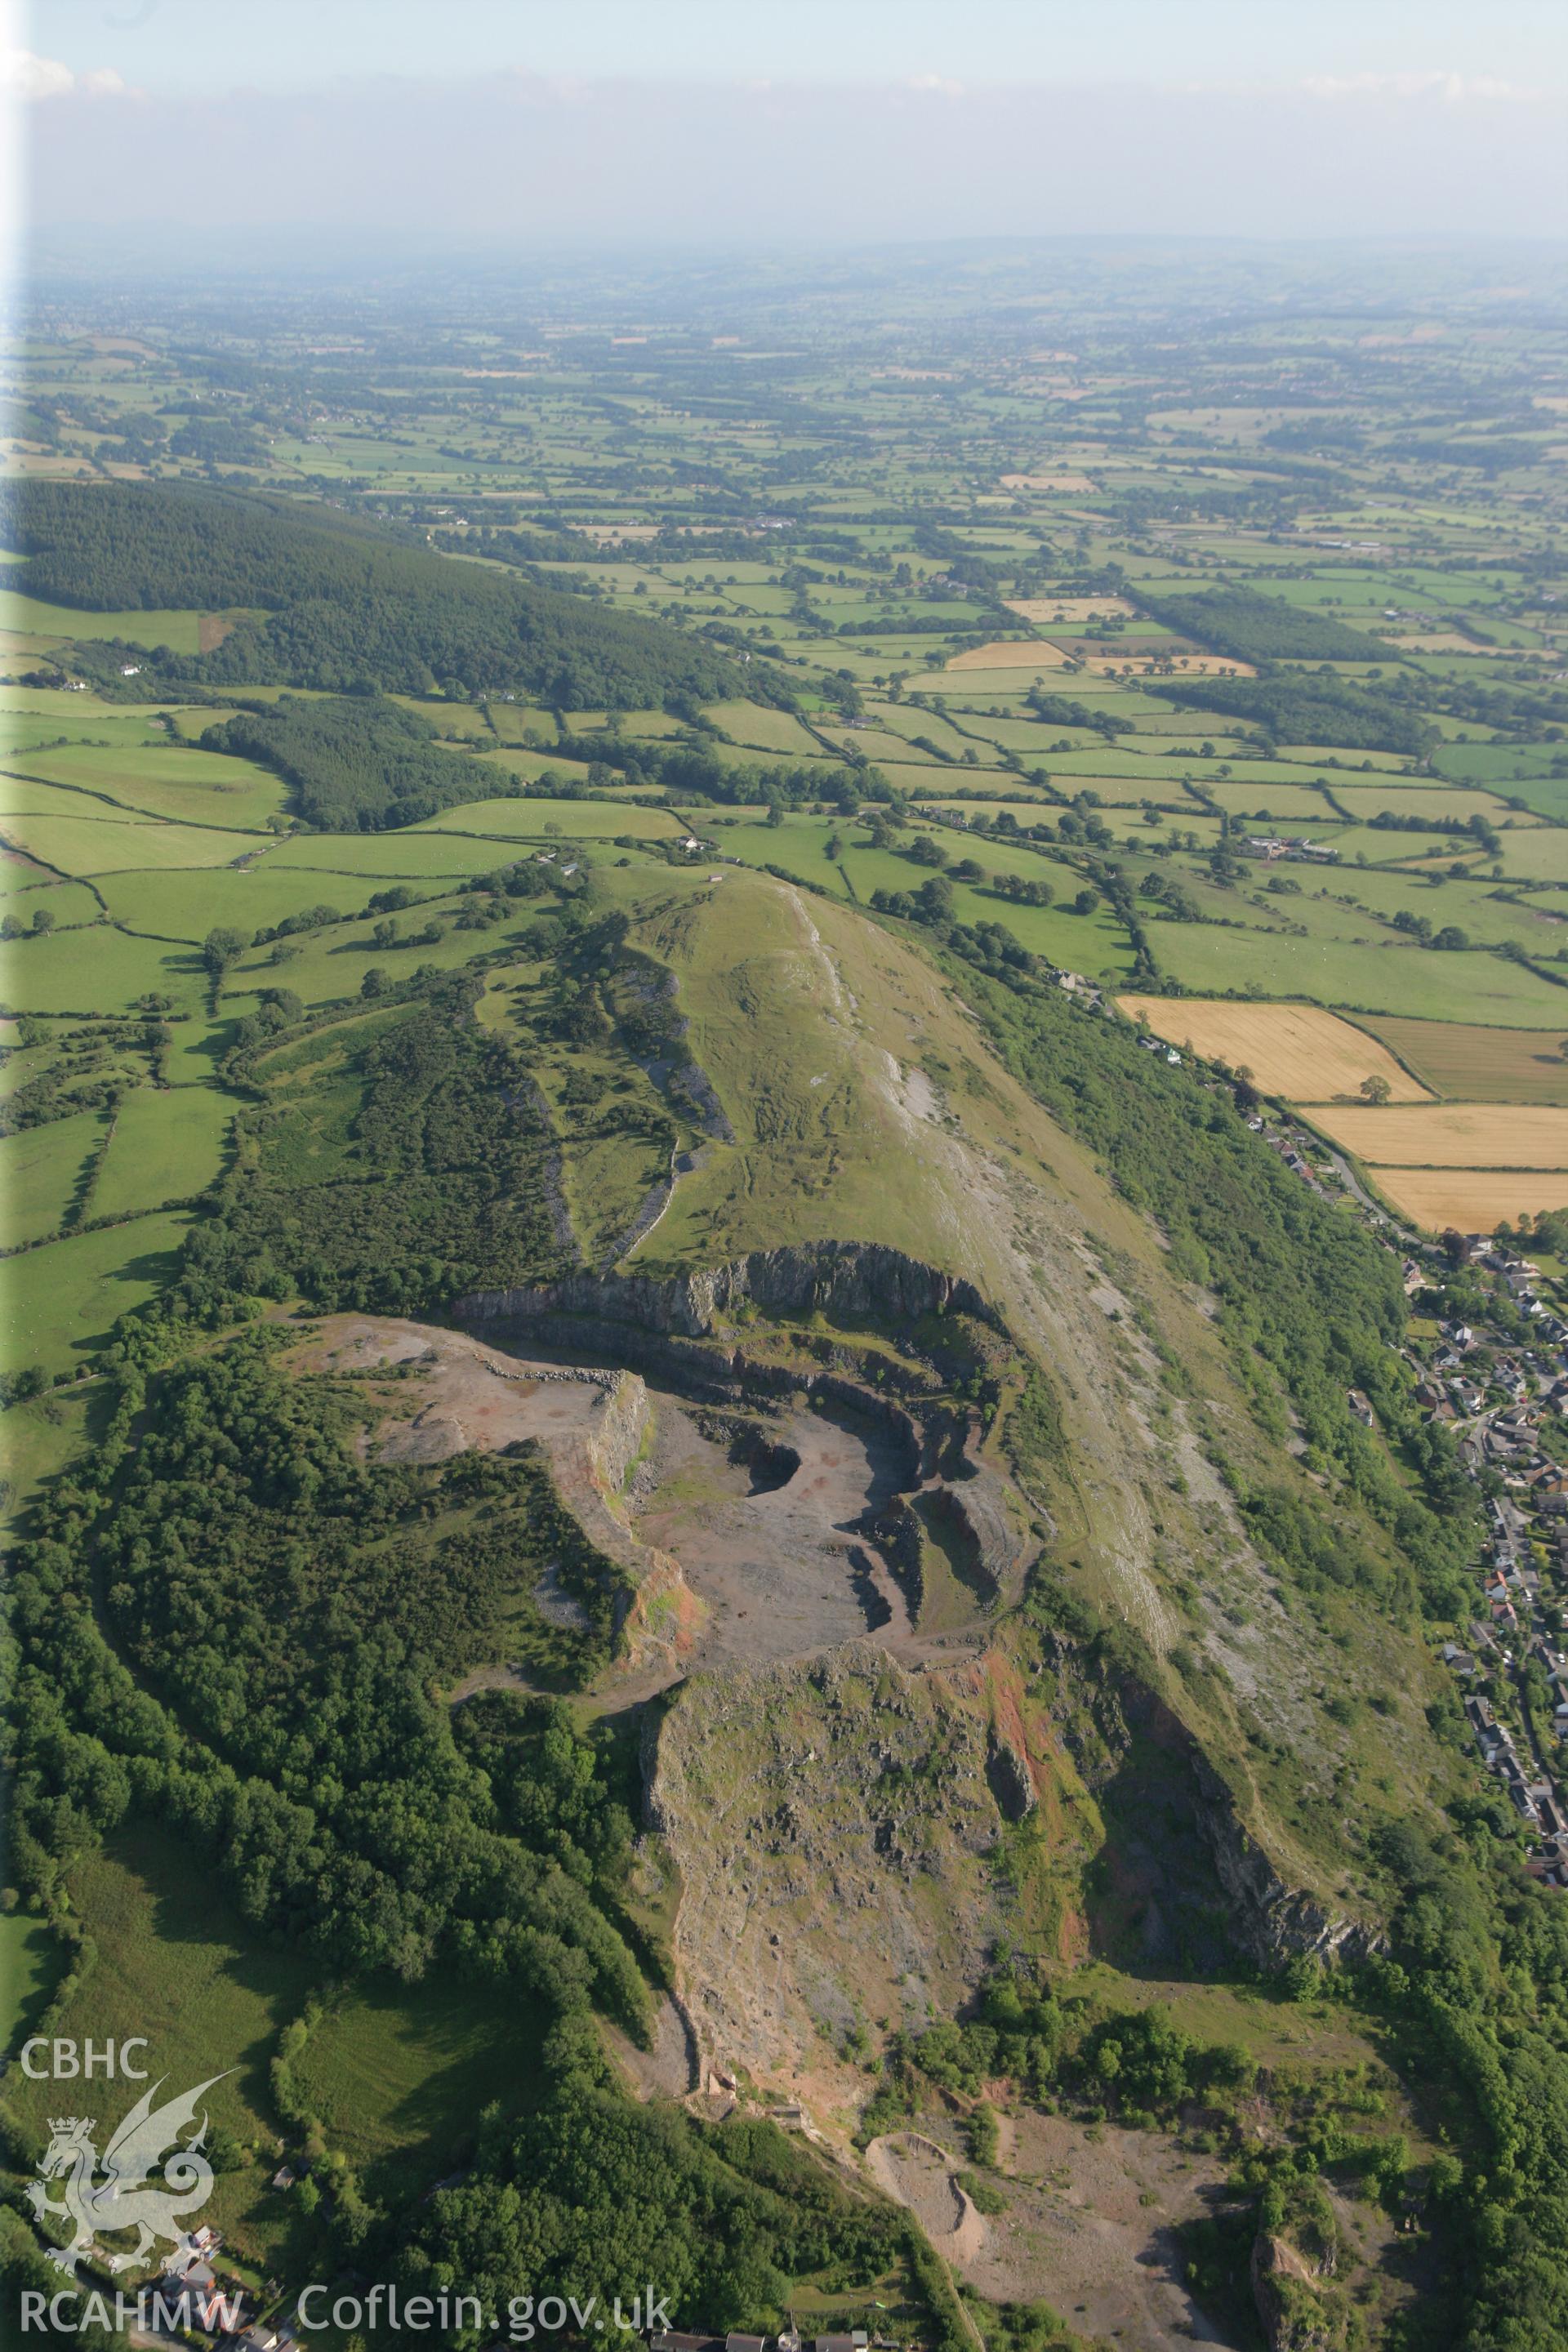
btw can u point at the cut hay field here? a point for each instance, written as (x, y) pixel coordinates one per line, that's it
(1450, 1135)
(1474, 1064)
(1474, 1199)
(1296, 1051)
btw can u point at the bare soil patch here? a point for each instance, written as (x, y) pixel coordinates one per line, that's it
(782, 1568)
(1091, 2228)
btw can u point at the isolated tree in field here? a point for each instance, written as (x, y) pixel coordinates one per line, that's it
(1375, 1088)
(220, 947)
(42, 921)
(375, 982)
(1086, 902)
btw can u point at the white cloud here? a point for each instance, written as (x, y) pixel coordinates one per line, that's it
(1450, 88)
(934, 85)
(24, 75)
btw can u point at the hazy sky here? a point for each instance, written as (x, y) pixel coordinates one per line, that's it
(631, 121)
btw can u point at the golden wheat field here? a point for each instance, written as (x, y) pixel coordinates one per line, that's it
(1450, 1135)
(1011, 653)
(1473, 1199)
(1298, 1050)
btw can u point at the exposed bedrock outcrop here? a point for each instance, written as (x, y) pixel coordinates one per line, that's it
(856, 1280)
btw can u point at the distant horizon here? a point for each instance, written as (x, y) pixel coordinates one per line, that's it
(698, 123)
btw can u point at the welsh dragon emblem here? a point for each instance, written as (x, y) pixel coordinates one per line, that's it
(123, 2199)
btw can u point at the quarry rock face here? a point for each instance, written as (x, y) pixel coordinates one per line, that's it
(855, 1280)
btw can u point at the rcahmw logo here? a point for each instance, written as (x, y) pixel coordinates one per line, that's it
(124, 2196)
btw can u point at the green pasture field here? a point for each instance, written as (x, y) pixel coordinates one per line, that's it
(1389, 848)
(1364, 801)
(104, 845)
(1038, 811)
(18, 874)
(60, 730)
(901, 719)
(918, 781)
(371, 858)
(199, 1045)
(44, 1436)
(1131, 791)
(1333, 761)
(175, 1964)
(1538, 853)
(880, 745)
(168, 1145)
(797, 846)
(318, 1098)
(398, 2075)
(1546, 795)
(1539, 923)
(165, 778)
(61, 1300)
(98, 969)
(1296, 806)
(1498, 764)
(170, 904)
(763, 729)
(539, 819)
(30, 1965)
(181, 632)
(464, 720)
(331, 963)
(1090, 943)
(40, 1169)
(69, 903)
(1393, 979)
